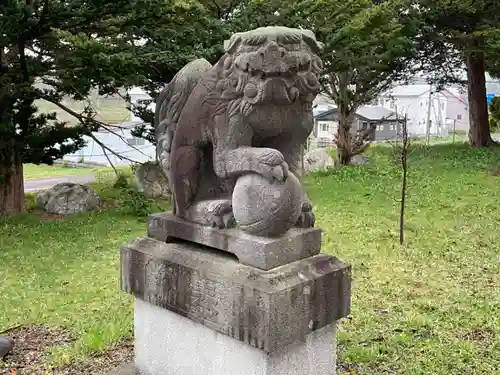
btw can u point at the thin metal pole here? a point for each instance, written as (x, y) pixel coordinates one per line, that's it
(454, 126)
(429, 116)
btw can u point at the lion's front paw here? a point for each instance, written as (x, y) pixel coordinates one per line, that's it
(225, 221)
(278, 172)
(222, 216)
(306, 218)
(216, 213)
(272, 164)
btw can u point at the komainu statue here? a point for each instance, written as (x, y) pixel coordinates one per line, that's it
(250, 113)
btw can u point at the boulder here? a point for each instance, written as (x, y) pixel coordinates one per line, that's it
(318, 160)
(67, 198)
(359, 160)
(6, 345)
(151, 180)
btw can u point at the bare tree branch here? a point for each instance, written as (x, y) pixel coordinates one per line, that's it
(109, 161)
(84, 119)
(404, 184)
(122, 138)
(104, 147)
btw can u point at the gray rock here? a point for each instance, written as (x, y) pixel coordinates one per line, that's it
(264, 309)
(67, 198)
(359, 160)
(6, 345)
(318, 160)
(249, 123)
(151, 180)
(261, 252)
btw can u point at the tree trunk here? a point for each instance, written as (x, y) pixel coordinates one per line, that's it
(344, 141)
(11, 186)
(479, 128)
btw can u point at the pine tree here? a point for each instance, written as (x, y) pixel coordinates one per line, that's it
(366, 51)
(50, 50)
(457, 35)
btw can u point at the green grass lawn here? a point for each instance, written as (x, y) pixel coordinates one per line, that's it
(429, 307)
(432, 306)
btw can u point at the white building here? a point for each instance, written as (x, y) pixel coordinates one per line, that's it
(136, 94)
(444, 110)
(322, 103)
(118, 138)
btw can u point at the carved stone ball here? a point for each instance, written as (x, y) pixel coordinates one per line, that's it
(265, 208)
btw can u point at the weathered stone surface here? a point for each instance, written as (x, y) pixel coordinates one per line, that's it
(6, 345)
(267, 310)
(249, 113)
(151, 180)
(67, 198)
(318, 160)
(266, 208)
(189, 348)
(261, 252)
(359, 160)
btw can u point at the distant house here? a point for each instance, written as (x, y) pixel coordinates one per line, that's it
(136, 95)
(448, 108)
(117, 136)
(387, 126)
(120, 140)
(322, 103)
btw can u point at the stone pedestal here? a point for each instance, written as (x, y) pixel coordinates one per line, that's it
(200, 311)
(260, 252)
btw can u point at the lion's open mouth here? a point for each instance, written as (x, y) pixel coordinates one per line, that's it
(274, 89)
(285, 71)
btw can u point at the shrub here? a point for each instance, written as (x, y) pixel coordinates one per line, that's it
(122, 191)
(493, 124)
(133, 202)
(130, 200)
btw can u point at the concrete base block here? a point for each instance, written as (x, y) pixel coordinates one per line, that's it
(169, 344)
(260, 252)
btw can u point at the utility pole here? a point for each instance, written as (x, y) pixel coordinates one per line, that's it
(439, 115)
(428, 133)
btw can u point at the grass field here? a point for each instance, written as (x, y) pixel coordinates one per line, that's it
(108, 111)
(429, 307)
(432, 306)
(34, 171)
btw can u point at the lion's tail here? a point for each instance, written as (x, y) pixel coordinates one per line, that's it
(169, 105)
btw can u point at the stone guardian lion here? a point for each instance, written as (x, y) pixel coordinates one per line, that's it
(250, 112)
